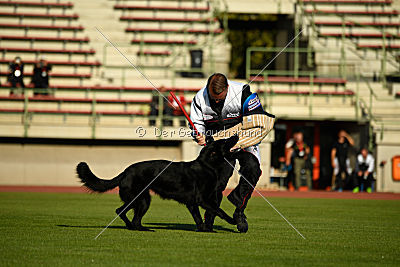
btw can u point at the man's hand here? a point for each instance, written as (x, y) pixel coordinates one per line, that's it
(201, 139)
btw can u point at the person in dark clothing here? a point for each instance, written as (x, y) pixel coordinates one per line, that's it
(154, 109)
(218, 108)
(175, 108)
(16, 75)
(40, 77)
(339, 159)
(297, 156)
(364, 171)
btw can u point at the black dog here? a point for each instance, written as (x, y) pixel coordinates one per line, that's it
(196, 183)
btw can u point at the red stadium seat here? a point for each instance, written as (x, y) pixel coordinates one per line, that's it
(349, 23)
(154, 53)
(39, 16)
(355, 12)
(70, 99)
(352, 2)
(111, 88)
(194, 31)
(45, 50)
(36, 4)
(76, 112)
(54, 74)
(361, 35)
(162, 8)
(284, 79)
(289, 92)
(161, 19)
(44, 39)
(41, 27)
(176, 42)
(62, 63)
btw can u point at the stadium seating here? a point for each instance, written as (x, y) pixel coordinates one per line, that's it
(57, 37)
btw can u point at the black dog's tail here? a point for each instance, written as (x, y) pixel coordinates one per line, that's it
(93, 182)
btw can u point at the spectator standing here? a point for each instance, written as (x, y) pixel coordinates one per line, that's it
(16, 75)
(364, 170)
(297, 156)
(154, 108)
(339, 158)
(40, 77)
(176, 111)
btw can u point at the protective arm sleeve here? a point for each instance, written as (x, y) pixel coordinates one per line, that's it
(197, 117)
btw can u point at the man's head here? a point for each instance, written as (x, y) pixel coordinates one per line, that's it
(217, 87)
(341, 136)
(17, 60)
(364, 152)
(298, 136)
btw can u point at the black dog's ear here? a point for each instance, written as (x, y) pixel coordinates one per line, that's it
(231, 141)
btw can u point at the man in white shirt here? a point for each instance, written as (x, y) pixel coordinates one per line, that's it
(220, 109)
(364, 171)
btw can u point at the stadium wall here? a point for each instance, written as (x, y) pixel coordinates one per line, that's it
(54, 164)
(385, 151)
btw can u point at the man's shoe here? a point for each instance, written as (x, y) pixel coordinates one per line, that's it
(241, 222)
(356, 189)
(340, 190)
(369, 190)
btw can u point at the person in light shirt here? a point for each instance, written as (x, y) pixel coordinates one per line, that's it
(364, 171)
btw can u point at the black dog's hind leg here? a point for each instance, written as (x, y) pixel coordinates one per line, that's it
(121, 211)
(140, 207)
(194, 210)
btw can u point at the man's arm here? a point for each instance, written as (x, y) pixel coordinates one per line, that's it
(289, 156)
(333, 155)
(245, 93)
(370, 162)
(197, 118)
(349, 138)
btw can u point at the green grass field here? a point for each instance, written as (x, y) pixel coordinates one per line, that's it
(59, 229)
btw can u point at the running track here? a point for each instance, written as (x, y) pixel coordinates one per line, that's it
(266, 193)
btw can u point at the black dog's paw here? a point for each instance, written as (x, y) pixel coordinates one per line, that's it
(201, 228)
(242, 227)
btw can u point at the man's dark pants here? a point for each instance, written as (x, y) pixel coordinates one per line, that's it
(251, 172)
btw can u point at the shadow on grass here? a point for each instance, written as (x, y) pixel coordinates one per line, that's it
(153, 226)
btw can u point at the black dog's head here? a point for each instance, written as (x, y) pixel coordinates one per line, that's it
(217, 151)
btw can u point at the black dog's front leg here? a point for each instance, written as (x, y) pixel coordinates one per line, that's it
(194, 210)
(208, 216)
